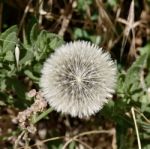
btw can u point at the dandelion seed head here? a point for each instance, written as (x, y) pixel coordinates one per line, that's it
(78, 79)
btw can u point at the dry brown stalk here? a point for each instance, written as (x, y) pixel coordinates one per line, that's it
(66, 17)
(130, 25)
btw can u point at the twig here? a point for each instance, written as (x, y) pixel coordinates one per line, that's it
(67, 143)
(83, 143)
(72, 139)
(114, 140)
(146, 119)
(86, 133)
(130, 25)
(66, 18)
(18, 139)
(136, 128)
(44, 141)
(40, 11)
(24, 15)
(94, 132)
(104, 16)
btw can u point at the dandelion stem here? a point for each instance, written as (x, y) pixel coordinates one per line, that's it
(42, 115)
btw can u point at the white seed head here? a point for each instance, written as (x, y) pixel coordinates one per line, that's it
(78, 79)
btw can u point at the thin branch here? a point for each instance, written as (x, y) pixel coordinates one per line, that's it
(41, 11)
(104, 16)
(67, 143)
(136, 128)
(146, 119)
(94, 132)
(83, 143)
(87, 133)
(44, 141)
(24, 15)
(130, 26)
(66, 18)
(18, 139)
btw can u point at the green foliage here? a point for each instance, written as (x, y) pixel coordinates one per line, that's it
(82, 4)
(83, 34)
(132, 90)
(36, 47)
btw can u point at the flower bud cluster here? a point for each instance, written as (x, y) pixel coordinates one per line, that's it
(25, 116)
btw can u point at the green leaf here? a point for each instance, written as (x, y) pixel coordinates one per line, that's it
(145, 49)
(30, 27)
(40, 44)
(55, 41)
(41, 116)
(112, 3)
(147, 80)
(8, 31)
(31, 75)
(2, 84)
(34, 33)
(17, 86)
(134, 72)
(60, 146)
(46, 43)
(29, 55)
(82, 5)
(10, 42)
(37, 67)
(72, 145)
(9, 56)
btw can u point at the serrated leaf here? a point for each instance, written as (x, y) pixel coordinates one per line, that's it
(133, 73)
(55, 41)
(34, 33)
(42, 40)
(8, 31)
(10, 42)
(28, 57)
(9, 56)
(43, 43)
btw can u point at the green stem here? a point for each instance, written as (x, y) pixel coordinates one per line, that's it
(42, 115)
